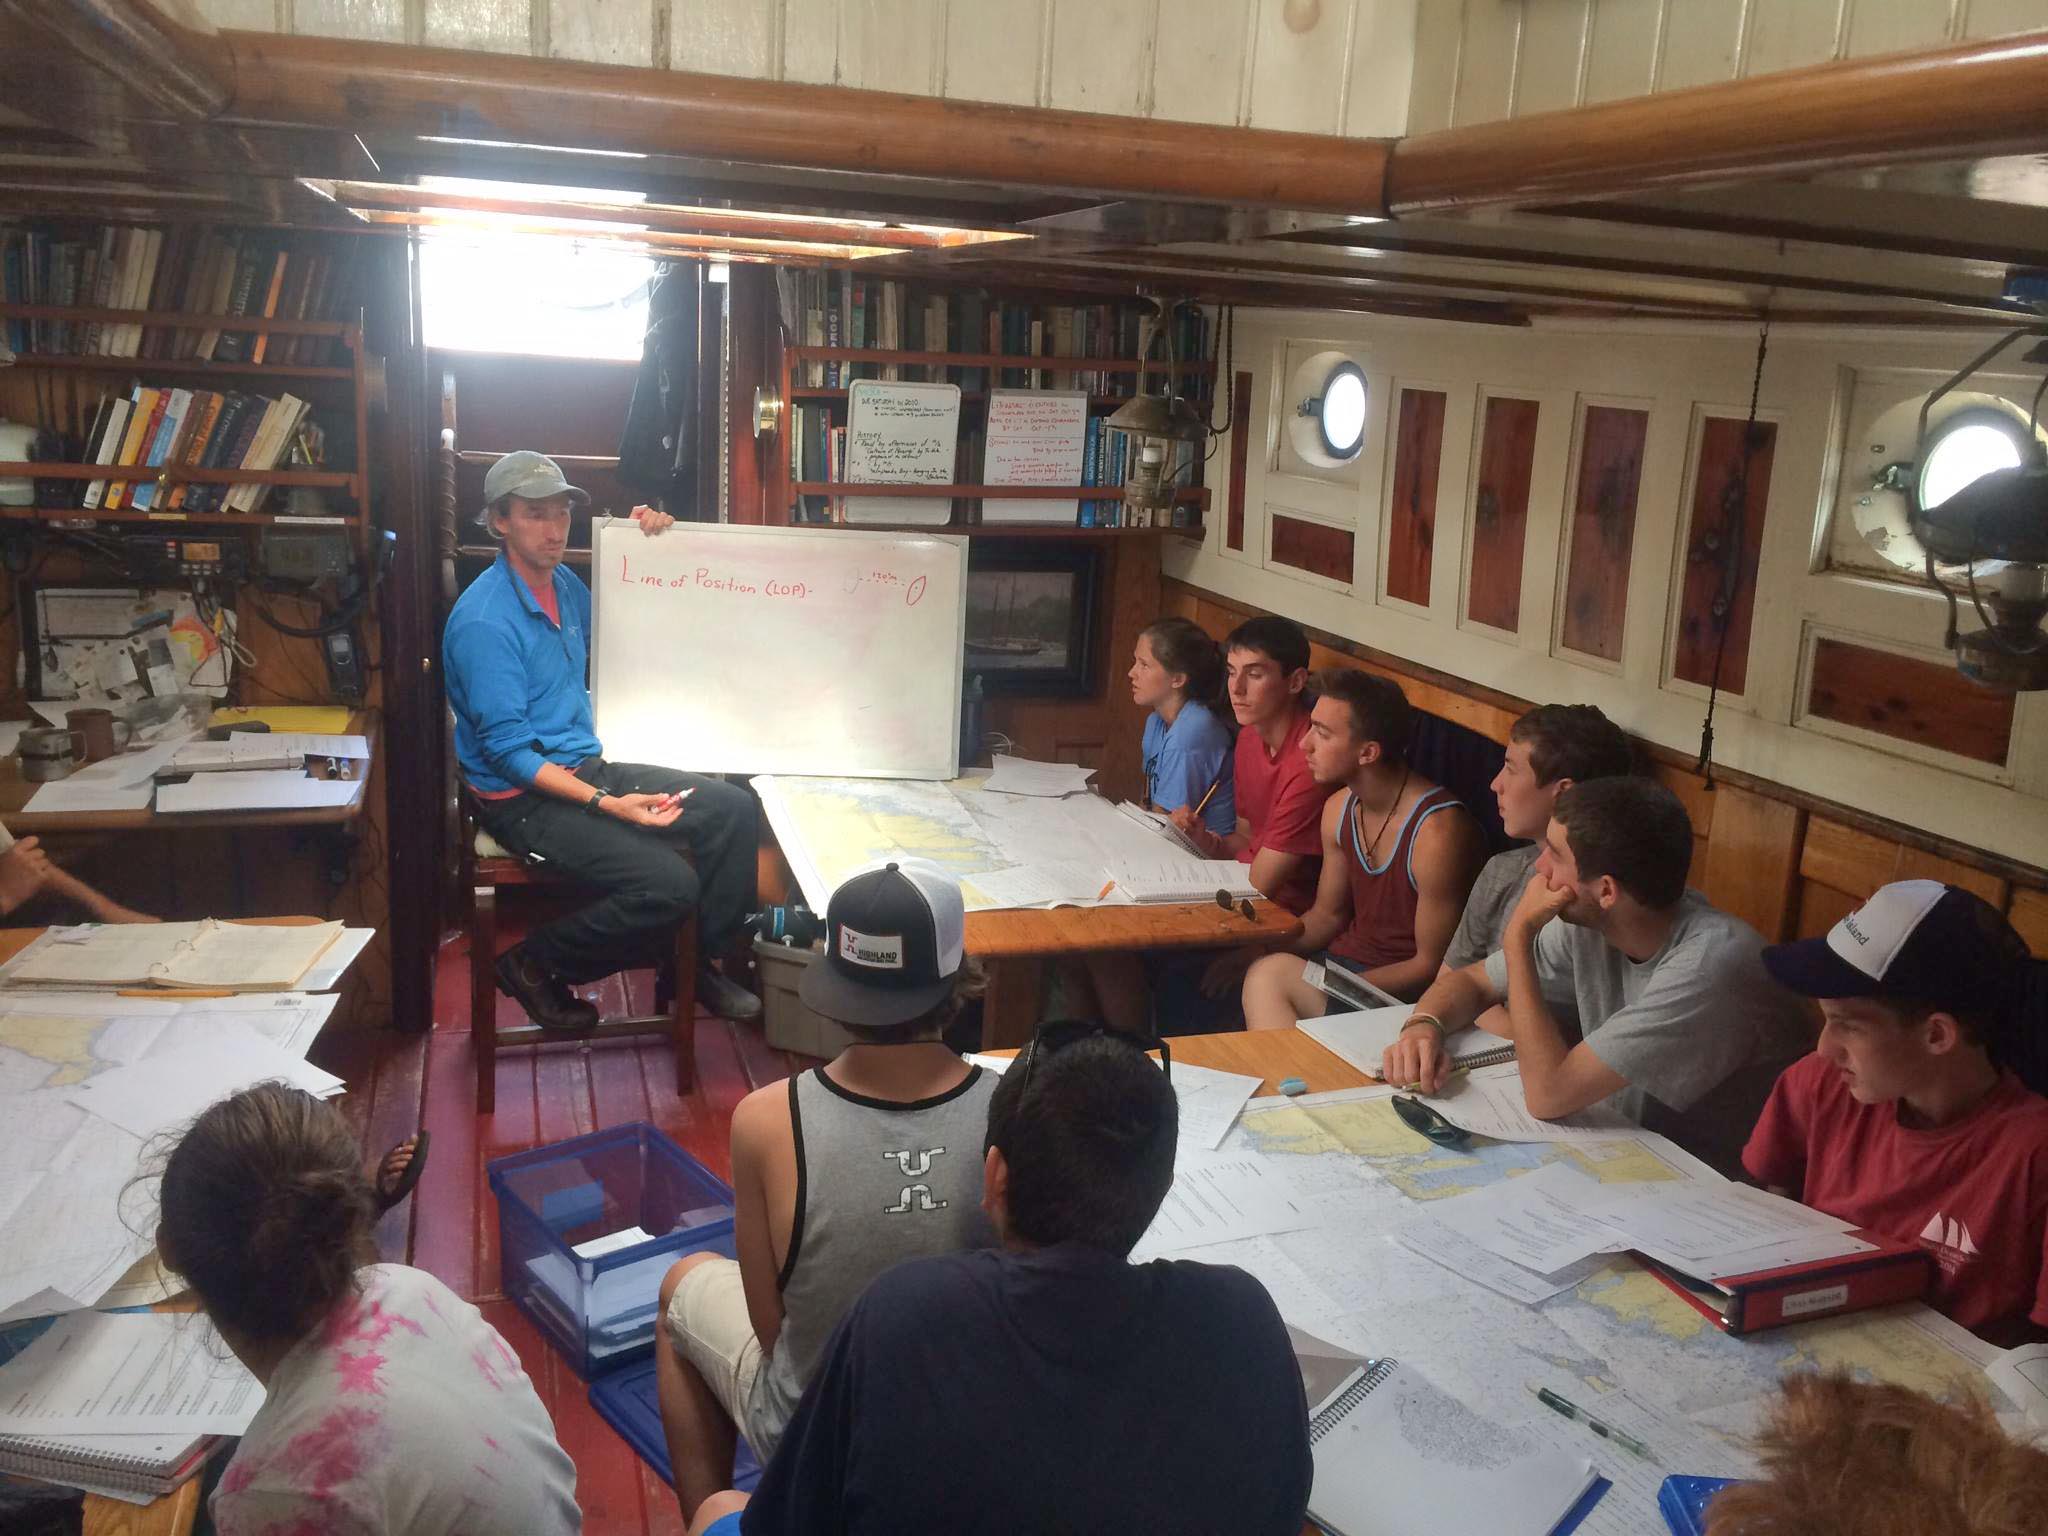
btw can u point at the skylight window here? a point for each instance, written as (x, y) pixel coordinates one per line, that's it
(535, 295)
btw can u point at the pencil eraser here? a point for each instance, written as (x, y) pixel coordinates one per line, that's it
(1292, 1085)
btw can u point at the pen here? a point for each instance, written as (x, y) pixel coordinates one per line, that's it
(1572, 1410)
(172, 992)
(1417, 1087)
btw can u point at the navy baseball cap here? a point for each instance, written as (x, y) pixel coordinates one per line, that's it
(1914, 940)
(894, 939)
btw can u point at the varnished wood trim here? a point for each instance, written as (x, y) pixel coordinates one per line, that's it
(1313, 547)
(1973, 98)
(383, 88)
(1411, 512)
(1603, 530)
(1910, 699)
(1716, 466)
(1240, 455)
(1500, 512)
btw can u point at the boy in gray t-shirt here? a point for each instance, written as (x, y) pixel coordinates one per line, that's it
(1683, 1030)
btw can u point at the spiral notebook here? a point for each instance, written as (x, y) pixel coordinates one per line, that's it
(1394, 1456)
(1360, 1037)
(150, 1464)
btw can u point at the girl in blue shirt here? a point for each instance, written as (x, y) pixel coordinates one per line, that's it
(1177, 673)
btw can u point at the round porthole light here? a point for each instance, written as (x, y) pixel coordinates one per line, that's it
(1969, 444)
(1339, 411)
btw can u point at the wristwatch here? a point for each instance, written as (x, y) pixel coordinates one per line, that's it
(596, 799)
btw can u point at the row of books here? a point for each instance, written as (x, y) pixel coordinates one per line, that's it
(186, 270)
(195, 429)
(827, 308)
(818, 452)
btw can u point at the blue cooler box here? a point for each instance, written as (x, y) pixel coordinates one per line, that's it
(587, 1228)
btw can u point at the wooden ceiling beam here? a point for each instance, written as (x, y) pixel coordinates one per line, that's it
(1941, 103)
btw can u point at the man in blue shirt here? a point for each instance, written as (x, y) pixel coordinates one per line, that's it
(1051, 1384)
(515, 657)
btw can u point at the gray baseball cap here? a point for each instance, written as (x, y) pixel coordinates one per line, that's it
(530, 476)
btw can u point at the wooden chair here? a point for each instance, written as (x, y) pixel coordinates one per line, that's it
(489, 868)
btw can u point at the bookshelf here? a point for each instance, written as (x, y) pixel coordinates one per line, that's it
(1051, 366)
(336, 393)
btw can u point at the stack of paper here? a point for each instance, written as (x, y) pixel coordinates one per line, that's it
(1022, 776)
(255, 790)
(122, 1402)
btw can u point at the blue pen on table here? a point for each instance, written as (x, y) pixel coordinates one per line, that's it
(1572, 1410)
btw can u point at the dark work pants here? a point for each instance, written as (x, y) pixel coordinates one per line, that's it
(649, 889)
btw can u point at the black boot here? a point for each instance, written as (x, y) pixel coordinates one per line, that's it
(546, 999)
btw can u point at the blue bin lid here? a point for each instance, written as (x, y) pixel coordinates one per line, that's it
(628, 1400)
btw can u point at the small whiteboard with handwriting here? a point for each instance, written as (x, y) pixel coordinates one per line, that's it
(725, 649)
(901, 434)
(1035, 437)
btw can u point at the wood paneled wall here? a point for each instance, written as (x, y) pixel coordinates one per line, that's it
(1785, 863)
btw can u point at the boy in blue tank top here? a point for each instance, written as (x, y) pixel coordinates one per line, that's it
(838, 1174)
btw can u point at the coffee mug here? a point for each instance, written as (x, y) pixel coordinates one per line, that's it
(103, 734)
(50, 752)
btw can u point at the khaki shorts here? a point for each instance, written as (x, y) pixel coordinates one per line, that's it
(709, 1326)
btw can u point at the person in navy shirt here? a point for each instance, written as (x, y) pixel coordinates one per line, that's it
(1177, 673)
(1050, 1384)
(515, 656)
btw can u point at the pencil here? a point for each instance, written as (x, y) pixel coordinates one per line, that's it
(173, 992)
(1210, 793)
(1107, 887)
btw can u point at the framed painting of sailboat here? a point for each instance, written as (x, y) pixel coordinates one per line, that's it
(1031, 617)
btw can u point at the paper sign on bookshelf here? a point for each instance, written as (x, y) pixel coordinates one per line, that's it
(1035, 437)
(900, 434)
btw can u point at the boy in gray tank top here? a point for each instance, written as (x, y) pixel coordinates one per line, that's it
(838, 1174)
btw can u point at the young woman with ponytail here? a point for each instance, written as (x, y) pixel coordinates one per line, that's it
(1177, 673)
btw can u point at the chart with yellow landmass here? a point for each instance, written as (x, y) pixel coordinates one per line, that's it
(61, 1051)
(830, 829)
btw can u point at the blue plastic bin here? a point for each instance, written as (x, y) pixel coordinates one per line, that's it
(599, 1307)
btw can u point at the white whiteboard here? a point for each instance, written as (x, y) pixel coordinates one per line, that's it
(901, 434)
(722, 649)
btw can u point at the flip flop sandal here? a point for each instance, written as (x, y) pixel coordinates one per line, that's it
(389, 1198)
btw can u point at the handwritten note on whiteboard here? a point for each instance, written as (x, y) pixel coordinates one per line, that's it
(900, 434)
(1035, 437)
(724, 649)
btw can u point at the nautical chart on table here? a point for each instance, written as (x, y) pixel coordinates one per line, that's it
(1617, 1340)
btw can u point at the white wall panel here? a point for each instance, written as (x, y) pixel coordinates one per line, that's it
(726, 37)
(1486, 61)
(1301, 62)
(1549, 70)
(1999, 18)
(1786, 34)
(377, 21)
(891, 45)
(1101, 56)
(1383, 65)
(810, 41)
(1890, 26)
(1702, 42)
(493, 26)
(248, 15)
(995, 52)
(1621, 55)
(1198, 62)
(1439, 38)
(603, 31)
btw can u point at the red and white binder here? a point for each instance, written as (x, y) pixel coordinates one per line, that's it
(1796, 1293)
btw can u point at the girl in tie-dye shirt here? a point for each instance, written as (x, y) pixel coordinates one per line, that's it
(391, 1407)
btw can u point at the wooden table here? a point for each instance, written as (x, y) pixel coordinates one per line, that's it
(1014, 946)
(15, 792)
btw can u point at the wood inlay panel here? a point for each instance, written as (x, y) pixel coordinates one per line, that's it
(1910, 699)
(1500, 512)
(1240, 451)
(1411, 512)
(1706, 538)
(1603, 530)
(1313, 547)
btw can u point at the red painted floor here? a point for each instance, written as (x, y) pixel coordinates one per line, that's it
(545, 1094)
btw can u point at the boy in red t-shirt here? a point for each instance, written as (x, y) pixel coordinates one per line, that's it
(1903, 1121)
(1279, 803)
